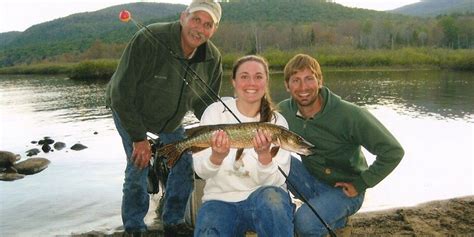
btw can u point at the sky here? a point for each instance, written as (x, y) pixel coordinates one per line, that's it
(18, 15)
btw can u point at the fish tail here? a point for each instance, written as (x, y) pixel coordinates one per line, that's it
(171, 152)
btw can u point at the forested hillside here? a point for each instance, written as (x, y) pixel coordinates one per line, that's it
(434, 8)
(293, 11)
(65, 38)
(301, 24)
(247, 26)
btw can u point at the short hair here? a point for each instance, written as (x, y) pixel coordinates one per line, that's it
(300, 62)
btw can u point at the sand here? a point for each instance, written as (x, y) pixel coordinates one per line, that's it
(452, 217)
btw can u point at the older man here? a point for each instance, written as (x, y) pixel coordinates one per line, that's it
(151, 91)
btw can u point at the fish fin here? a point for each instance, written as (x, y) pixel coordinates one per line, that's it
(238, 154)
(170, 152)
(274, 150)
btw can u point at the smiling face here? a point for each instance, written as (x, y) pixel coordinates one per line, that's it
(304, 87)
(304, 80)
(250, 82)
(197, 28)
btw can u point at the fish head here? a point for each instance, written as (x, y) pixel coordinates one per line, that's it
(295, 143)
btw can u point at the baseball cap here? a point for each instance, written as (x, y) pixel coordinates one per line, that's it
(209, 6)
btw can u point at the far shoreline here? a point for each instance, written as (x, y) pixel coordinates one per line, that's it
(96, 71)
(332, 58)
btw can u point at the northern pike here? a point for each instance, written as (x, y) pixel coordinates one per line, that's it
(240, 136)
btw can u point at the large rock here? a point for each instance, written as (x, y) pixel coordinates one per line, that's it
(46, 140)
(32, 152)
(32, 165)
(46, 148)
(59, 145)
(11, 176)
(7, 159)
(78, 147)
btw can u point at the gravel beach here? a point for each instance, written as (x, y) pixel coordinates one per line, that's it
(452, 217)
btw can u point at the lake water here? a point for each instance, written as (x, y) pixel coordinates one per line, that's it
(430, 112)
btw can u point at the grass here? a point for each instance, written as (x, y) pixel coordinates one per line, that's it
(97, 69)
(332, 57)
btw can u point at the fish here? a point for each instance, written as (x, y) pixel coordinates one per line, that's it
(240, 136)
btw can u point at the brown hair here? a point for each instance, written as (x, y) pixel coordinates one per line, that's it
(300, 62)
(267, 108)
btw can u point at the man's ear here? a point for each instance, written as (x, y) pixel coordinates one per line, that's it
(182, 17)
(286, 86)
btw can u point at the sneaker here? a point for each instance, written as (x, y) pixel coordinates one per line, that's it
(178, 230)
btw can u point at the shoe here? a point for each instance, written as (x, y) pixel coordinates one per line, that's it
(178, 230)
(134, 234)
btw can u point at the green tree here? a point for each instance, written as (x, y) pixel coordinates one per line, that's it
(450, 31)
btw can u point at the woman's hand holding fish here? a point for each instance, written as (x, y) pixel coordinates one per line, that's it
(141, 154)
(261, 143)
(220, 147)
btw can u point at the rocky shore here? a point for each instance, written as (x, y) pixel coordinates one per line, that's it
(452, 217)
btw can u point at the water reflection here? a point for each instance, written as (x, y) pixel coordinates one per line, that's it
(70, 100)
(440, 94)
(417, 106)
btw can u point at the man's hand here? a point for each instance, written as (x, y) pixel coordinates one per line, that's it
(141, 154)
(347, 188)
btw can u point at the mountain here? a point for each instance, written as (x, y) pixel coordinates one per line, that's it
(8, 37)
(294, 11)
(105, 25)
(426, 8)
(75, 33)
(246, 26)
(102, 24)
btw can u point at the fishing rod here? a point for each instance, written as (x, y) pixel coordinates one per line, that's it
(125, 16)
(303, 198)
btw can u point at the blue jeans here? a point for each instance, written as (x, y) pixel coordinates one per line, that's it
(136, 200)
(267, 211)
(329, 202)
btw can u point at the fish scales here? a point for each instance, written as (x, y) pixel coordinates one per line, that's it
(240, 136)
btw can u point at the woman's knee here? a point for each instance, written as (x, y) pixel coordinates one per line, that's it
(215, 218)
(273, 201)
(273, 196)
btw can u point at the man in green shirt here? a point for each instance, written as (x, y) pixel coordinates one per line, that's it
(334, 178)
(156, 83)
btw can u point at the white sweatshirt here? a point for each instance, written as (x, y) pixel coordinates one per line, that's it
(234, 181)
